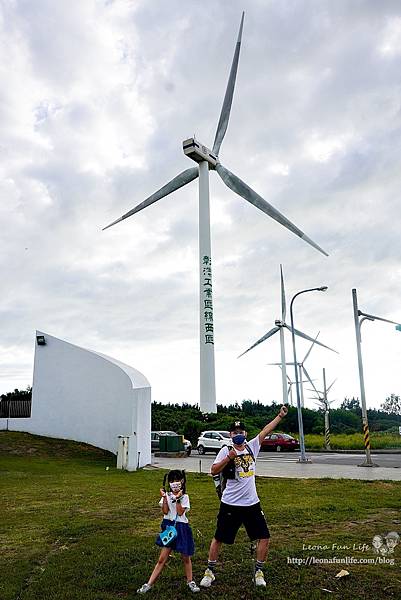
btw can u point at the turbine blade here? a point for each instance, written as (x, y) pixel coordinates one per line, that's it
(307, 337)
(228, 98)
(283, 307)
(173, 185)
(242, 189)
(310, 349)
(262, 339)
(318, 403)
(330, 386)
(310, 380)
(279, 364)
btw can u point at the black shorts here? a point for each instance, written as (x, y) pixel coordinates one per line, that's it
(230, 519)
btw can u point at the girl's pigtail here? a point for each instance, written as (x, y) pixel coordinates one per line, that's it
(185, 481)
(164, 481)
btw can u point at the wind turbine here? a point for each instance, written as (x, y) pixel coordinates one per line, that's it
(280, 325)
(301, 364)
(209, 160)
(289, 388)
(323, 402)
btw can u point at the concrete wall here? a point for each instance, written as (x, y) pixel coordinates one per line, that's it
(88, 397)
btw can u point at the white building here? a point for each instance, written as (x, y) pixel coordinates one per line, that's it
(82, 395)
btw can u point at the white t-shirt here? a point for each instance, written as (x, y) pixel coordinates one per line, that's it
(241, 491)
(172, 508)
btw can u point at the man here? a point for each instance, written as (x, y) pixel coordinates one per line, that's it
(240, 503)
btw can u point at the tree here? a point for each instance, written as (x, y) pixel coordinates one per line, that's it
(351, 404)
(392, 405)
(16, 403)
(18, 394)
(192, 429)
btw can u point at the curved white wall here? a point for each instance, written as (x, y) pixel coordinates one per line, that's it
(85, 396)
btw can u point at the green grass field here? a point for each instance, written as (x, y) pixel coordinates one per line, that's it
(353, 441)
(71, 530)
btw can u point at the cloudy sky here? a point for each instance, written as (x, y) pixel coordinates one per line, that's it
(95, 100)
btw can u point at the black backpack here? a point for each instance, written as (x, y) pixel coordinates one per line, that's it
(220, 480)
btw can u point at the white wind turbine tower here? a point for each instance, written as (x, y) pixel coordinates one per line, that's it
(209, 160)
(281, 325)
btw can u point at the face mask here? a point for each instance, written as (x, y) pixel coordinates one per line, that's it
(239, 439)
(175, 486)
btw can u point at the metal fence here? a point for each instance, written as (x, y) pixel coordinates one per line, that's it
(14, 409)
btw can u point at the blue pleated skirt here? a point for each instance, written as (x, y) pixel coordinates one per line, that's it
(184, 542)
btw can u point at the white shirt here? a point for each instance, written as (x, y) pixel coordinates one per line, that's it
(241, 491)
(172, 508)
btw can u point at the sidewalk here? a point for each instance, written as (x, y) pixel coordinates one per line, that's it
(197, 464)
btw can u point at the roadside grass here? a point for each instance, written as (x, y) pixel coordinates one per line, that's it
(353, 441)
(72, 530)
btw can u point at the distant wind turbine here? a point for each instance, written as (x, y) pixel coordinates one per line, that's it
(280, 326)
(209, 160)
(290, 384)
(323, 403)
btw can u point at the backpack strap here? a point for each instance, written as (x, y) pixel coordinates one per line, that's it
(247, 446)
(250, 451)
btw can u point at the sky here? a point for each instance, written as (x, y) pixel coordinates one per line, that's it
(96, 98)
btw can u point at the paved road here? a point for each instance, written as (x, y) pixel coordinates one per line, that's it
(285, 464)
(334, 458)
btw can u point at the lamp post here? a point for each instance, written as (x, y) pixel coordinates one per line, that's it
(358, 322)
(302, 458)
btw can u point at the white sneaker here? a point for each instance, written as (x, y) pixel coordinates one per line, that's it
(193, 587)
(260, 579)
(145, 588)
(207, 579)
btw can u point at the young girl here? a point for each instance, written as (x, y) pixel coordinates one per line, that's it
(174, 504)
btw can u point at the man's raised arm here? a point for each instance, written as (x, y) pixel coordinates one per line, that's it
(270, 426)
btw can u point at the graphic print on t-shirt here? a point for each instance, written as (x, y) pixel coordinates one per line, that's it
(245, 465)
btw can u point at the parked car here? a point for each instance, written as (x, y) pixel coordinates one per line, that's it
(154, 437)
(279, 441)
(212, 441)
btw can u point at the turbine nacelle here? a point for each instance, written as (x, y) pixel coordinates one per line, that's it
(199, 153)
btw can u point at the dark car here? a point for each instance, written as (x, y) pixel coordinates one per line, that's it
(279, 441)
(154, 437)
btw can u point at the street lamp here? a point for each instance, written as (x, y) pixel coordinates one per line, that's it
(358, 322)
(303, 458)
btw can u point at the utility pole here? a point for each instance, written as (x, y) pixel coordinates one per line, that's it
(358, 322)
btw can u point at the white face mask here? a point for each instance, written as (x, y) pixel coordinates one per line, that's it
(175, 486)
